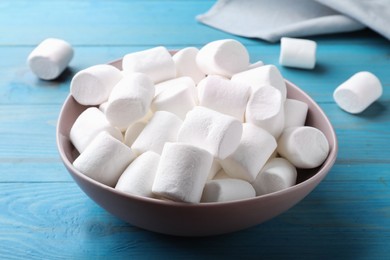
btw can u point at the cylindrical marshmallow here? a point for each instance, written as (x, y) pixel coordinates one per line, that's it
(133, 131)
(215, 168)
(223, 95)
(255, 148)
(88, 125)
(221, 174)
(297, 53)
(358, 92)
(105, 159)
(156, 62)
(139, 176)
(93, 85)
(277, 174)
(223, 190)
(185, 61)
(265, 109)
(267, 75)
(255, 65)
(295, 112)
(50, 58)
(223, 57)
(304, 146)
(162, 128)
(177, 96)
(182, 172)
(213, 131)
(129, 100)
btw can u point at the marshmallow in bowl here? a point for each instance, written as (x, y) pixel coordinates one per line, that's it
(295, 112)
(185, 61)
(297, 53)
(223, 190)
(132, 132)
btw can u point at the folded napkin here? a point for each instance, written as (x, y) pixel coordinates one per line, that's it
(272, 19)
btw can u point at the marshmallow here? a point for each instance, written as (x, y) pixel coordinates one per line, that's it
(255, 148)
(93, 85)
(177, 96)
(255, 65)
(304, 146)
(162, 128)
(129, 100)
(157, 63)
(223, 95)
(223, 57)
(358, 92)
(50, 58)
(88, 125)
(295, 113)
(182, 172)
(138, 177)
(265, 109)
(223, 190)
(278, 174)
(263, 76)
(297, 53)
(185, 61)
(221, 174)
(215, 132)
(133, 131)
(215, 168)
(105, 159)
(103, 107)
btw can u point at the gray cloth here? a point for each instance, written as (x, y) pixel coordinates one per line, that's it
(272, 19)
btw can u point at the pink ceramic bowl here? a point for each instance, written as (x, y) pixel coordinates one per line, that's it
(201, 219)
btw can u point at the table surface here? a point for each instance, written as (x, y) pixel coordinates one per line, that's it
(44, 214)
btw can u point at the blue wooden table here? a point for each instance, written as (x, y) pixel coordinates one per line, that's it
(43, 213)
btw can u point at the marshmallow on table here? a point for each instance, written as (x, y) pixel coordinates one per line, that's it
(185, 60)
(132, 132)
(182, 172)
(50, 58)
(265, 109)
(213, 131)
(223, 57)
(227, 190)
(162, 128)
(129, 100)
(177, 96)
(105, 159)
(277, 174)
(358, 92)
(93, 85)
(88, 125)
(263, 76)
(223, 95)
(297, 53)
(157, 63)
(138, 177)
(295, 112)
(255, 148)
(303, 146)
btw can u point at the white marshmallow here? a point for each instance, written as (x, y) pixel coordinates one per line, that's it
(139, 176)
(50, 58)
(223, 57)
(295, 113)
(133, 131)
(223, 190)
(265, 109)
(185, 60)
(263, 76)
(304, 146)
(177, 96)
(156, 62)
(213, 131)
(93, 85)
(277, 174)
(103, 107)
(358, 92)
(215, 168)
(255, 65)
(223, 95)
(105, 159)
(255, 148)
(129, 100)
(221, 174)
(162, 128)
(88, 125)
(297, 53)
(182, 172)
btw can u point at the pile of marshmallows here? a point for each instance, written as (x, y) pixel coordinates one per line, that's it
(199, 126)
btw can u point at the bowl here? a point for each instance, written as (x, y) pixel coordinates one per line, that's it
(204, 219)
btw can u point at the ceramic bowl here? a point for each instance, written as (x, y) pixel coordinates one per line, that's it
(203, 219)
